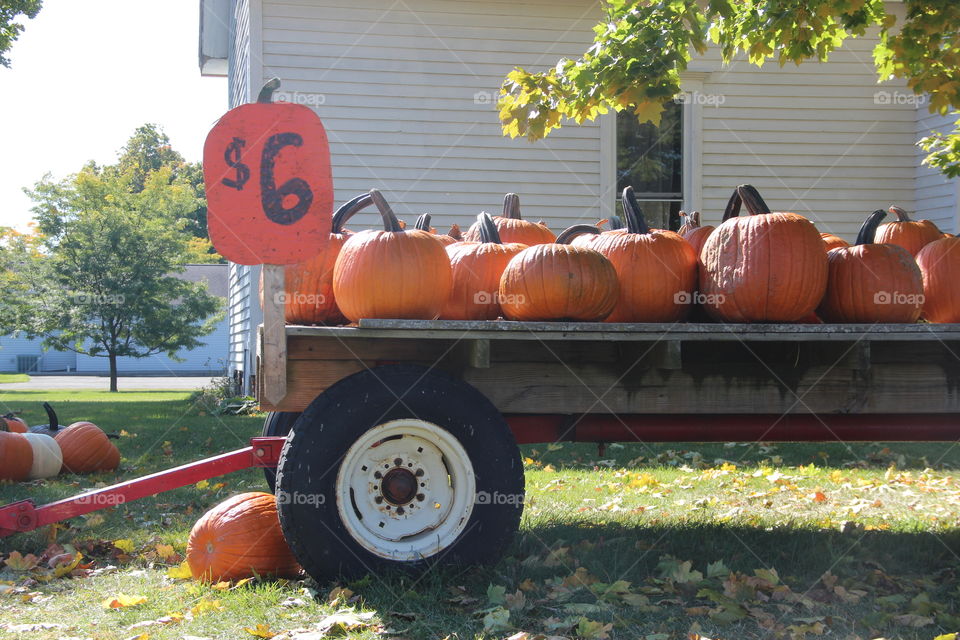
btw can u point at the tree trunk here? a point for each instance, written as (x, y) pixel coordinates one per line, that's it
(113, 371)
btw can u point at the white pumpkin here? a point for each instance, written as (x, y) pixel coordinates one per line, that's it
(47, 457)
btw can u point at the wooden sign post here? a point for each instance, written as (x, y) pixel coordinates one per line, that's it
(269, 188)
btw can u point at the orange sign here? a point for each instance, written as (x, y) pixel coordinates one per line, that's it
(266, 167)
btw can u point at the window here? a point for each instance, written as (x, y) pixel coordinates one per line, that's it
(650, 159)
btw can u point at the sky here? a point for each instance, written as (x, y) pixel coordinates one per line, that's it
(84, 75)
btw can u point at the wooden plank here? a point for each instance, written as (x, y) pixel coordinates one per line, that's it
(273, 358)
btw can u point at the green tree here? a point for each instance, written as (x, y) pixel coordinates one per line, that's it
(98, 274)
(10, 26)
(642, 46)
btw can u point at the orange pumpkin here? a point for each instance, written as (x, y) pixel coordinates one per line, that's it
(559, 281)
(512, 228)
(872, 282)
(308, 286)
(939, 264)
(912, 235)
(657, 269)
(477, 267)
(766, 267)
(16, 456)
(692, 232)
(13, 424)
(832, 241)
(240, 538)
(391, 273)
(86, 449)
(423, 223)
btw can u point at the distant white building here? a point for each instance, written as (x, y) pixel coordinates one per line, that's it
(406, 92)
(21, 354)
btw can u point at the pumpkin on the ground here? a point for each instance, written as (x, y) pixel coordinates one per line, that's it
(13, 424)
(47, 457)
(939, 263)
(16, 456)
(512, 228)
(240, 538)
(559, 281)
(477, 267)
(87, 449)
(765, 267)
(832, 241)
(391, 273)
(693, 232)
(912, 235)
(53, 426)
(871, 282)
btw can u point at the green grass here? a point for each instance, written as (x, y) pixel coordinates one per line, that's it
(694, 532)
(14, 377)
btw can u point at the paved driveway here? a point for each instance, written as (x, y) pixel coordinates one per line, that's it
(100, 382)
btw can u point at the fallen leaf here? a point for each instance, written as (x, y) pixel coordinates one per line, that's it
(18, 562)
(345, 620)
(206, 606)
(593, 630)
(165, 551)
(260, 631)
(65, 565)
(121, 601)
(124, 545)
(339, 593)
(497, 620)
(180, 572)
(203, 484)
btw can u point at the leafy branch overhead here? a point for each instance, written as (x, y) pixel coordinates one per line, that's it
(10, 28)
(641, 48)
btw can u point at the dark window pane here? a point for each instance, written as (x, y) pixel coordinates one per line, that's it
(650, 158)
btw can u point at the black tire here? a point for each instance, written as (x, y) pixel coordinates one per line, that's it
(339, 417)
(278, 423)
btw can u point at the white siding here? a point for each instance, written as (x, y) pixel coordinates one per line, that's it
(243, 316)
(12, 346)
(238, 60)
(936, 197)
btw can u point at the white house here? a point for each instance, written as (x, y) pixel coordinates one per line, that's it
(406, 91)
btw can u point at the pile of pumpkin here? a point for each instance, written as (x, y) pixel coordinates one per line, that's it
(43, 451)
(763, 267)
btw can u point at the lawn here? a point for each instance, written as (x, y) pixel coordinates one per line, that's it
(664, 541)
(13, 377)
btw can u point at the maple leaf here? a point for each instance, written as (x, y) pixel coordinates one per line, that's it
(260, 631)
(593, 630)
(180, 572)
(497, 620)
(18, 562)
(121, 601)
(62, 565)
(206, 606)
(124, 545)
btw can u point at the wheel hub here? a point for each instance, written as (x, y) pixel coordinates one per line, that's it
(399, 486)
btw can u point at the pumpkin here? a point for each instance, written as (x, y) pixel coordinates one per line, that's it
(559, 281)
(308, 286)
(13, 424)
(939, 264)
(912, 235)
(86, 449)
(832, 241)
(477, 267)
(512, 228)
(455, 233)
(423, 223)
(240, 538)
(47, 457)
(16, 456)
(391, 273)
(53, 425)
(871, 282)
(656, 268)
(765, 267)
(692, 232)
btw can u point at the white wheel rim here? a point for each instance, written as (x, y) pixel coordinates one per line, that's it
(411, 509)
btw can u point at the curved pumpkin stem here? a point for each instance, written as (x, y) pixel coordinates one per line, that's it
(511, 206)
(266, 93)
(900, 213)
(633, 213)
(455, 232)
(390, 222)
(423, 223)
(348, 209)
(488, 229)
(615, 223)
(568, 234)
(868, 230)
(752, 200)
(694, 218)
(732, 209)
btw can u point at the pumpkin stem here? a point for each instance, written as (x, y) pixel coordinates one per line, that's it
(266, 93)
(455, 232)
(752, 200)
(488, 229)
(733, 206)
(900, 213)
(568, 234)
(53, 423)
(423, 223)
(348, 209)
(694, 217)
(633, 213)
(511, 206)
(869, 228)
(390, 222)
(615, 223)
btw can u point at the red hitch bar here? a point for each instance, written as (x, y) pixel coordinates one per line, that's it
(23, 516)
